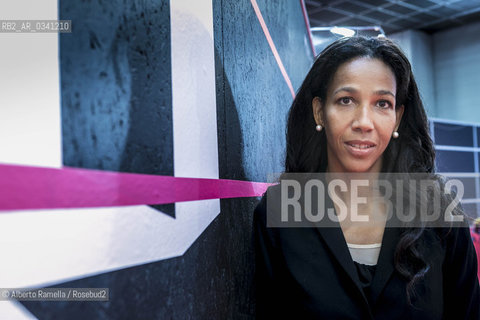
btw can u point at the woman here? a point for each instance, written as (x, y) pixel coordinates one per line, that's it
(359, 111)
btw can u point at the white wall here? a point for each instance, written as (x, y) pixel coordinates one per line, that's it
(457, 72)
(447, 69)
(30, 125)
(418, 47)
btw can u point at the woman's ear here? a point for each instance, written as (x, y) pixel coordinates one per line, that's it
(399, 113)
(317, 110)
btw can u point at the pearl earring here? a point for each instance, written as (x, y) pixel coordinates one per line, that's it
(318, 128)
(395, 134)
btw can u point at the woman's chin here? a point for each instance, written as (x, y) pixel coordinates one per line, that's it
(359, 169)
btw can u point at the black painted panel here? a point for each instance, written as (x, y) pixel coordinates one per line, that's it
(116, 87)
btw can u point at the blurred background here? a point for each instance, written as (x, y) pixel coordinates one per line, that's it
(196, 89)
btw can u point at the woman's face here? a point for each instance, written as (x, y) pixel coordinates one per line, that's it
(358, 115)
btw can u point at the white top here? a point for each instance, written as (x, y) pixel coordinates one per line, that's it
(365, 253)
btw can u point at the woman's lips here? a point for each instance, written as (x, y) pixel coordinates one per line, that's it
(360, 148)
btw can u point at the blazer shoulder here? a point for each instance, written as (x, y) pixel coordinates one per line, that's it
(460, 270)
(263, 212)
(272, 192)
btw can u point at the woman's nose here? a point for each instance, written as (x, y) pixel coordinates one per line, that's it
(362, 120)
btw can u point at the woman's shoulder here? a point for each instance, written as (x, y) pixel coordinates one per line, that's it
(455, 240)
(262, 217)
(265, 206)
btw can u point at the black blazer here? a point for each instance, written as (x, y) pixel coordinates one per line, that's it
(308, 273)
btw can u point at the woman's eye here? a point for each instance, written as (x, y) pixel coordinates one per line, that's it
(384, 104)
(345, 100)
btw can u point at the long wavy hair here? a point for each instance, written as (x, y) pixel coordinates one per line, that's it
(412, 152)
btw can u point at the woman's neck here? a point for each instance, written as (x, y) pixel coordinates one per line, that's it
(359, 192)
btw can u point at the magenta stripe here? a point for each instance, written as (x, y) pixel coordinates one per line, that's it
(27, 187)
(307, 24)
(272, 46)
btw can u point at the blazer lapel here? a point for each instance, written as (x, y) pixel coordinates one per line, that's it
(335, 240)
(385, 264)
(336, 243)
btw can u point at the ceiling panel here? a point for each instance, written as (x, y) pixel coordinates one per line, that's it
(418, 3)
(466, 4)
(326, 16)
(424, 17)
(371, 2)
(358, 22)
(404, 23)
(445, 11)
(398, 9)
(394, 15)
(381, 16)
(352, 7)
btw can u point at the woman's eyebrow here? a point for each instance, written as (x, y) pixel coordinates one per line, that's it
(384, 92)
(347, 89)
(353, 90)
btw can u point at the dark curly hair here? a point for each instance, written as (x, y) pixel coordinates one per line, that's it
(412, 152)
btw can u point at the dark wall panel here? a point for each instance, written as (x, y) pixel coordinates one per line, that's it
(116, 95)
(115, 86)
(259, 94)
(116, 115)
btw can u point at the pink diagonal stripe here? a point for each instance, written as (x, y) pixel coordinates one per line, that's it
(27, 187)
(272, 47)
(307, 24)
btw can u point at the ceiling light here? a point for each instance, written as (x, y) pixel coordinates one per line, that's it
(343, 31)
